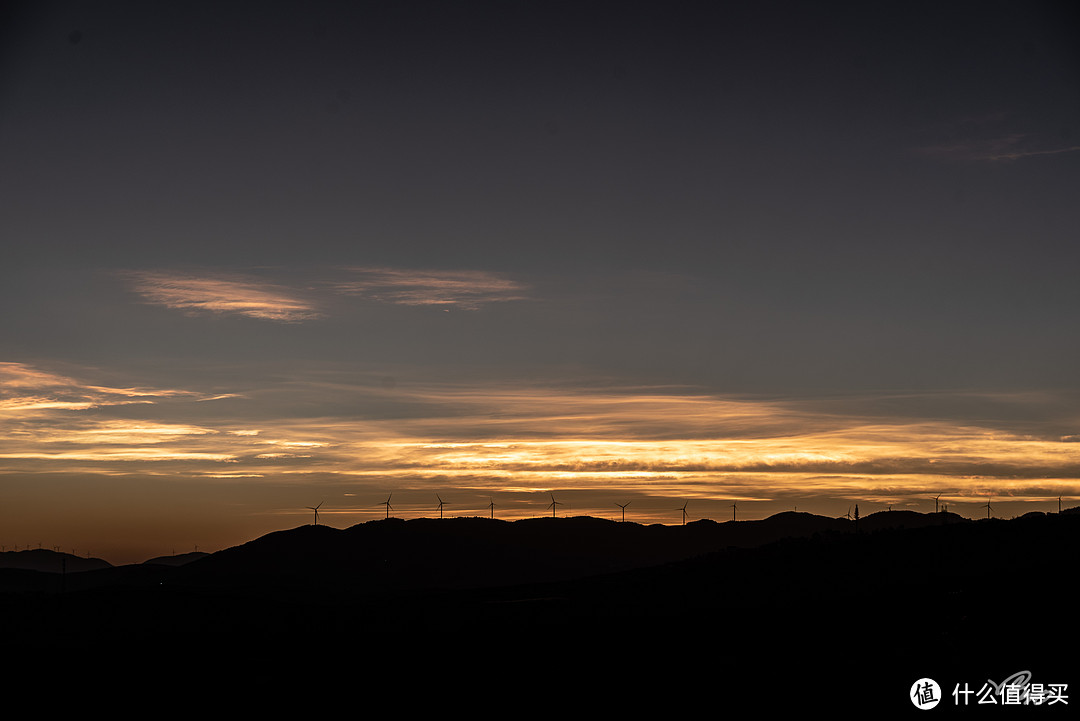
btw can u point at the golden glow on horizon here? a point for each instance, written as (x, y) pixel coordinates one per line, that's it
(491, 439)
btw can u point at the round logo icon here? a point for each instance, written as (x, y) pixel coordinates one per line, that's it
(925, 693)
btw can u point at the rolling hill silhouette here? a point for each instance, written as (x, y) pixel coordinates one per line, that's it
(47, 561)
(395, 555)
(177, 559)
(795, 597)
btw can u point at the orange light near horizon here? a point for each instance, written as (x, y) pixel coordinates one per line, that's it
(521, 437)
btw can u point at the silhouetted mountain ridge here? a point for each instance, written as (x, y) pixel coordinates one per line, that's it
(177, 559)
(795, 597)
(395, 554)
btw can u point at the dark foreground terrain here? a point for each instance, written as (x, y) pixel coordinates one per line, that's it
(796, 612)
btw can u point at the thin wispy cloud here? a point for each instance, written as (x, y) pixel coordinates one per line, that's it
(1017, 154)
(24, 388)
(220, 294)
(995, 147)
(461, 289)
(58, 419)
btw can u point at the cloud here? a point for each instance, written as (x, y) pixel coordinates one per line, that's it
(1013, 146)
(1017, 154)
(219, 294)
(55, 421)
(493, 435)
(462, 289)
(497, 437)
(24, 388)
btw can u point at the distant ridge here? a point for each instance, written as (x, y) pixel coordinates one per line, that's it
(46, 561)
(177, 559)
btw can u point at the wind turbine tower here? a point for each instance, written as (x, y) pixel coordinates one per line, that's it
(554, 505)
(623, 507)
(683, 509)
(316, 509)
(387, 504)
(441, 504)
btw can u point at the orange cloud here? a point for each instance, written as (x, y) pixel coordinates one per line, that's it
(222, 294)
(24, 388)
(54, 418)
(493, 438)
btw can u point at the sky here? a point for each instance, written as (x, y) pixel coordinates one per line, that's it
(258, 258)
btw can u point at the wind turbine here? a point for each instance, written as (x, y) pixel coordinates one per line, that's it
(311, 508)
(1059, 504)
(492, 506)
(936, 502)
(683, 509)
(553, 505)
(988, 508)
(623, 507)
(441, 504)
(848, 514)
(734, 509)
(387, 504)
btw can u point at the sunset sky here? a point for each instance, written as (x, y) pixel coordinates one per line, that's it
(258, 257)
